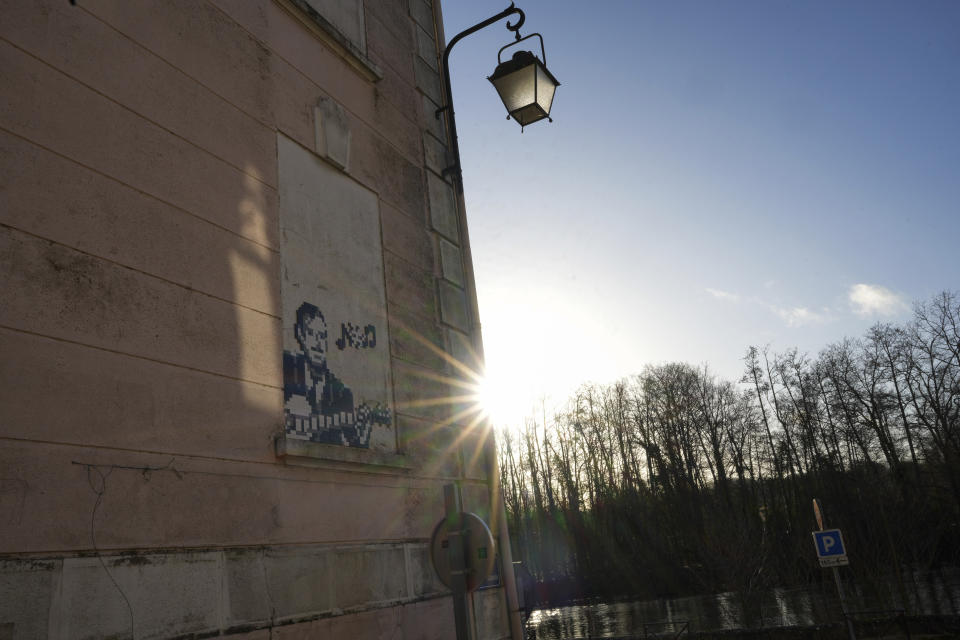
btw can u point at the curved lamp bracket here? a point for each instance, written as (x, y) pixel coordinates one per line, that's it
(543, 51)
(448, 107)
(516, 27)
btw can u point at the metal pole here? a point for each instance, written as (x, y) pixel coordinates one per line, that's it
(843, 603)
(453, 507)
(506, 553)
(818, 514)
(509, 582)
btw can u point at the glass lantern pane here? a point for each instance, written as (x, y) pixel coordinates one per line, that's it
(529, 114)
(546, 87)
(516, 89)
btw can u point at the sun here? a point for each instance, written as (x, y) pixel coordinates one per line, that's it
(486, 399)
(501, 400)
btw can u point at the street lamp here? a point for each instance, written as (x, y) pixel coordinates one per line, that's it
(524, 83)
(527, 89)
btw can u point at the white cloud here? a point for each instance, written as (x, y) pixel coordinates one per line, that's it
(870, 299)
(723, 295)
(799, 316)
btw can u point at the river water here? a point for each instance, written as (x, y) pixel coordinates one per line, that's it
(927, 593)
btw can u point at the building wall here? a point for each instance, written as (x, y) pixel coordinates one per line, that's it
(148, 485)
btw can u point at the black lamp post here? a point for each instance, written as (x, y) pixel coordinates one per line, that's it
(526, 88)
(524, 83)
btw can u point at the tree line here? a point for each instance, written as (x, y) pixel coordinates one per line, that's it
(675, 482)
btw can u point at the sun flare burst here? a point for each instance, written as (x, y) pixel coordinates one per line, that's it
(495, 398)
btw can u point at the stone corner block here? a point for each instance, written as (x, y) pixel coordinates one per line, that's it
(462, 349)
(437, 125)
(434, 153)
(451, 262)
(427, 49)
(428, 80)
(453, 306)
(422, 12)
(443, 208)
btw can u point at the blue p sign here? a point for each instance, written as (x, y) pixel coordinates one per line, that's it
(829, 543)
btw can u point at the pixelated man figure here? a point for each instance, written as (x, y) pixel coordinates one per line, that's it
(319, 406)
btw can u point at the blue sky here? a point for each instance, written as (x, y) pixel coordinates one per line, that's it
(718, 174)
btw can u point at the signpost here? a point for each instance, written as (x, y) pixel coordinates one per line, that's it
(477, 542)
(832, 553)
(830, 549)
(462, 550)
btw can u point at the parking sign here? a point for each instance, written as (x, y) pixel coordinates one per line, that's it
(830, 548)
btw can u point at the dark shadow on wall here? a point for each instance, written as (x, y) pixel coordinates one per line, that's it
(138, 249)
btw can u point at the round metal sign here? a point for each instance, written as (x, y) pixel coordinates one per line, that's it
(478, 550)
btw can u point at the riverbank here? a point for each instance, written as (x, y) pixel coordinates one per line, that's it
(913, 627)
(889, 628)
(929, 606)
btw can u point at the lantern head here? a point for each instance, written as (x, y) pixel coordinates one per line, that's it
(525, 85)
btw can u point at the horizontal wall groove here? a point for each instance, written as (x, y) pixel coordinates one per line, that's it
(147, 274)
(147, 194)
(343, 474)
(136, 356)
(268, 125)
(143, 117)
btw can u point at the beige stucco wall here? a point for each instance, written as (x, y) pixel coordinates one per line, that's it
(141, 484)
